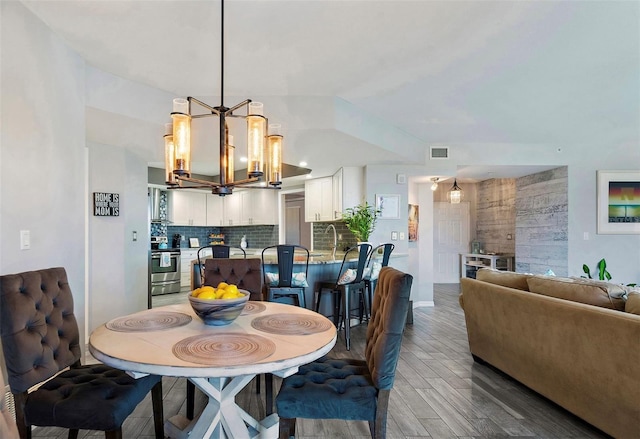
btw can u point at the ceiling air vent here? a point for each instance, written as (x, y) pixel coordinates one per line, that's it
(439, 152)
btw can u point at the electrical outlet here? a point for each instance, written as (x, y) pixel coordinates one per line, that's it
(339, 236)
(401, 236)
(509, 236)
(134, 236)
(394, 236)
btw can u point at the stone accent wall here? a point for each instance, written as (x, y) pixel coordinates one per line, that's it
(496, 215)
(542, 222)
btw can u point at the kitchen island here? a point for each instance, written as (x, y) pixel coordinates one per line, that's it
(322, 267)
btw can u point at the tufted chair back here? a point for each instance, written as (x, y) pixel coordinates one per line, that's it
(384, 333)
(245, 273)
(38, 328)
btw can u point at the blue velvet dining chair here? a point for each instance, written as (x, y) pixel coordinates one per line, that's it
(40, 339)
(353, 389)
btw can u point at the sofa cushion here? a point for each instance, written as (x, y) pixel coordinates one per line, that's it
(597, 294)
(633, 302)
(504, 278)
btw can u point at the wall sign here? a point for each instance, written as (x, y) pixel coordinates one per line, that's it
(105, 204)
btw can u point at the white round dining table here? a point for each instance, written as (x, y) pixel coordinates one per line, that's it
(220, 360)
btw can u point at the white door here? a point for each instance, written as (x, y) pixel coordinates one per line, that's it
(450, 239)
(292, 220)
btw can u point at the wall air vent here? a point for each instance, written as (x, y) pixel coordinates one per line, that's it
(439, 152)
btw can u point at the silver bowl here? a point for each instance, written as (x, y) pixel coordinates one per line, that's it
(219, 312)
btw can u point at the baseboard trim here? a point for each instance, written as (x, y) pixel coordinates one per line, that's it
(423, 303)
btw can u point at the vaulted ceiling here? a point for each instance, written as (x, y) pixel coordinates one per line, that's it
(363, 81)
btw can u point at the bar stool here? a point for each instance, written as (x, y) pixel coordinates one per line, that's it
(349, 280)
(377, 260)
(287, 286)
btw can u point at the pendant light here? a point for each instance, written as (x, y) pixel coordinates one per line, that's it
(455, 194)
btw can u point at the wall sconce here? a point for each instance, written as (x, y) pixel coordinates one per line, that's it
(434, 186)
(455, 194)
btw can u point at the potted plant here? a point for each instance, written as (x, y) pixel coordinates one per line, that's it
(361, 220)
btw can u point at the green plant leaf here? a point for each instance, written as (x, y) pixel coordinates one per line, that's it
(361, 220)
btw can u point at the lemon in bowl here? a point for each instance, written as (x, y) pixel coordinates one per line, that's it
(218, 306)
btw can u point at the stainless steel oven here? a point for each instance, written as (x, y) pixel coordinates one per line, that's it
(164, 270)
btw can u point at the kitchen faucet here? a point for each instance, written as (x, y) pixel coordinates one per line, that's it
(335, 240)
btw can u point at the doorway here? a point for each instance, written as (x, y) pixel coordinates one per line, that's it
(296, 230)
(451, 229)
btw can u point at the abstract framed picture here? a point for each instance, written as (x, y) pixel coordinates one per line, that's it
(388, 205)
(618, 202)
(414, 217)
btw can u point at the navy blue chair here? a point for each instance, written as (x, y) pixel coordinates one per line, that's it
(288, 284)
(378, 258)
(40, 338)
(353, 389)
(349, 281)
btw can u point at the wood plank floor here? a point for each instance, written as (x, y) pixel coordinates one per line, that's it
(439, 391)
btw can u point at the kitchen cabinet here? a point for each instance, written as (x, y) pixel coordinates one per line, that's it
(188, 208)
(215, 210)
(348, 189)
(318, 199)
(251, 207)
(186, 256)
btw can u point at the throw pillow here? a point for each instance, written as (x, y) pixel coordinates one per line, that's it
(633, 302)
(576, 291)
(504, 278)
(299, 280)
(348, 276)
(272, 279)
(375, 270)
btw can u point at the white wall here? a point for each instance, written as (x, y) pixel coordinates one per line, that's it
(118, 266)
(43, 154)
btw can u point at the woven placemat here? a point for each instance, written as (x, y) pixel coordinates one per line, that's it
(225, 349)
(155, 321)
(291, 324)
(253, 308)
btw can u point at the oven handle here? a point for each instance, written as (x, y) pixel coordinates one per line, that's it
(157, 255)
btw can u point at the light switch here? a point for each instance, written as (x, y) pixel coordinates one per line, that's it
(394, 236)
(134, 236)
(401, 236)
(25, 240)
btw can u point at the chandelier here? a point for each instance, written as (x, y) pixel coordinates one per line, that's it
(264, 149)
(455, 194)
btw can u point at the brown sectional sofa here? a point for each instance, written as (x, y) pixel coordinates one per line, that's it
(574, 341)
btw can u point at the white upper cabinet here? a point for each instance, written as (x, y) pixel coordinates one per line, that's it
(348, 189)
(188, 208)
(318, 199)
(251, 207)
(215, 210)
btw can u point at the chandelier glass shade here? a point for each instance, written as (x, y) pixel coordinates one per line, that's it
(177, 141)
(455, 194)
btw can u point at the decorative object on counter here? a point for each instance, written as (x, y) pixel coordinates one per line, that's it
(361, 220)
(243, 242)
(178, 142)
(455, 194)
(194, 243)
(388, 206)
(216, 239)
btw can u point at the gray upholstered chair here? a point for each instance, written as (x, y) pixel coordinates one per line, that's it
(348, 388)
(40, 338)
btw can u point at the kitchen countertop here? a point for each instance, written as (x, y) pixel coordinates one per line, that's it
(316, 257)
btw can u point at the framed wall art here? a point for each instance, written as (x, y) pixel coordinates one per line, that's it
(388, 205)
(618, 209)
(413, 222)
